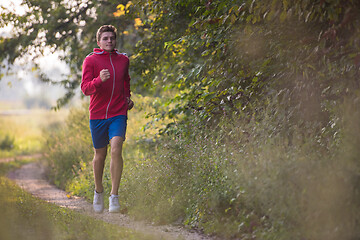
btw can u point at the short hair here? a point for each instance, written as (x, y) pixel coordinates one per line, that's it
(105, 28)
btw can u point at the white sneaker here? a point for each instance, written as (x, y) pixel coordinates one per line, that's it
(98, 203)
(114, 206)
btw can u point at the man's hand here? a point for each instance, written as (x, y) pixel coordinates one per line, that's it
(104, 75)
(130, 103)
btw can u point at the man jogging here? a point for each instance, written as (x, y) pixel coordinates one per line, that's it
(105, 78)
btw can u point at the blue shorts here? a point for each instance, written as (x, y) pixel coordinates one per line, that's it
(103, 130)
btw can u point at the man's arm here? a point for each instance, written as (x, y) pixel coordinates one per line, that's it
(89, 83)
(127, 88)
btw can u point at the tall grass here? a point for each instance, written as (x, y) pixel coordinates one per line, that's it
(242, 180)
(237, 179)
(68, 146)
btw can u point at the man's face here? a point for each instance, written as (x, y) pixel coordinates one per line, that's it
(107, 41)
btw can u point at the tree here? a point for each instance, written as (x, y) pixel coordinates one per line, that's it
(68, 27)
(223, 57)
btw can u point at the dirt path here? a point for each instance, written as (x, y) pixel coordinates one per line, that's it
(31, 177)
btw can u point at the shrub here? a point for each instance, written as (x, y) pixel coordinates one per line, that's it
(246, 179)
(7, 142)
(240, 178)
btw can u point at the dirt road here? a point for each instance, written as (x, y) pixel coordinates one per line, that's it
(31, 177)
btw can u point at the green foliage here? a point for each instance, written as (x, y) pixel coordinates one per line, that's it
(222, 57)
(241, 185)
(216, 57)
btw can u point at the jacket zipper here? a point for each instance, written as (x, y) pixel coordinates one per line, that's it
(112, 93)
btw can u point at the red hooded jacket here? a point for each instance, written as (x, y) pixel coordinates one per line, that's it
(107, 99)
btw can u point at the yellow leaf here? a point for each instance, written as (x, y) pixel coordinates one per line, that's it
(152, 17)
(119, 13)
(231, 9)
(137, 23)
(120, 10)
(121, 7)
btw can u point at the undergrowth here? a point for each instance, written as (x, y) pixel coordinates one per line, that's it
(248, 186)
(236, 179)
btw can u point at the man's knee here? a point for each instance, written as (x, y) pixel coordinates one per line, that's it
(100, 155)
(116, 145)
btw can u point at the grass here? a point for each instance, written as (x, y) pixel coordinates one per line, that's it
(237, 180)
(22, 133)
(6, 167)
(26, 217)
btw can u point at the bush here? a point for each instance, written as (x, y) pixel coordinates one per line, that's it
(246, 179)
(261, 178)
(7, 142)
(68, 147)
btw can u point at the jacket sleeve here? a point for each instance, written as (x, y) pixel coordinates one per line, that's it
(127, 82)
(89, 83)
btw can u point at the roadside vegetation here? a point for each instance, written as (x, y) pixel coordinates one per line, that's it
(26, 217)
(239, 180)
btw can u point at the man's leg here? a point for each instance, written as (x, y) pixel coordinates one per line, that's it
(98, 166)
(116, 164)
